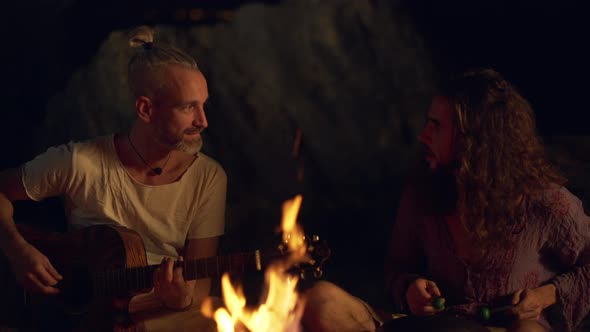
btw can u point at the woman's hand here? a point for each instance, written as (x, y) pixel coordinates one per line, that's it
(420, 295)
(529, 303)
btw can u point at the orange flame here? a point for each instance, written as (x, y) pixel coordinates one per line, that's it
(282, 309)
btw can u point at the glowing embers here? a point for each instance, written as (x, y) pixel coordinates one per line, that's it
(282, 309)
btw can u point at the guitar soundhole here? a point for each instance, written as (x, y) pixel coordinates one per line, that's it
(76, 289)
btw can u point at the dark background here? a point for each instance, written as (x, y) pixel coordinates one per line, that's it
(538, 45)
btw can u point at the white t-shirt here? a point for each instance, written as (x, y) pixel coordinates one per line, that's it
(99, 190)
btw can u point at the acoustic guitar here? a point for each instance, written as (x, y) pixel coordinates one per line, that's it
(104, 265)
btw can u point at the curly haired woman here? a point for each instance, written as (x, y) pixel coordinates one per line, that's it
(486, 235)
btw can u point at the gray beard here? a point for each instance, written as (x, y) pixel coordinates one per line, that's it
(190, 147)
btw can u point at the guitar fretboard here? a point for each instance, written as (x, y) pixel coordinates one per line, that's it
(124, 281)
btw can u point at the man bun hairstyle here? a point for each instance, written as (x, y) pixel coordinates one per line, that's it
(150, 59)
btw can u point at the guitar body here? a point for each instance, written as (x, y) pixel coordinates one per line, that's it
(103, 267)
(76, 256)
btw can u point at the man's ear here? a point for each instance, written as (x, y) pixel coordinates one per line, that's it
(144, 108)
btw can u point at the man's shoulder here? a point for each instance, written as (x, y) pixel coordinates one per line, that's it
(555, 193)
(557, 200)
(205, 169)
(70, 150)
(99, 142)
(89, 151)
(209, 163)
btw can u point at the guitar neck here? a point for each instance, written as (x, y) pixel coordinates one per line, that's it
(123, 281)
(213, 267)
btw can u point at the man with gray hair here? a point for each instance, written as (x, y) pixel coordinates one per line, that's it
(152, 179)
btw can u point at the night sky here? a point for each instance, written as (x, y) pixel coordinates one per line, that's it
(538, 45)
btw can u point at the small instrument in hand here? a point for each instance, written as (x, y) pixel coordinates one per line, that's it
(486, 312)
(438, 303)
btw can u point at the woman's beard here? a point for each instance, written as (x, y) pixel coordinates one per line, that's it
(437, 187)
(443, 190)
